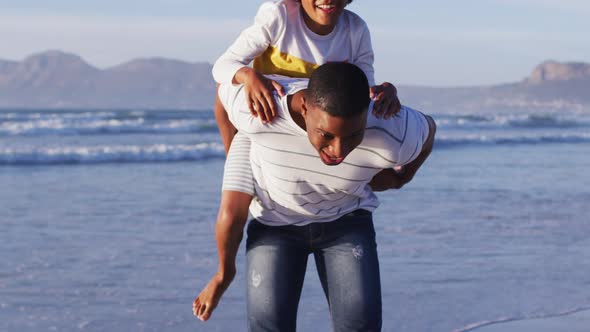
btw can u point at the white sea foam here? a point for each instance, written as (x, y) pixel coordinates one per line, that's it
(109, 154)
(500, 121)
(444, 140)
(97, 126)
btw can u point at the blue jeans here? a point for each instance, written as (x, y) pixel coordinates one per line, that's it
(345, 253)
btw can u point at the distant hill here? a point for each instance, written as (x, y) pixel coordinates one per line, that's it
(56, 79)
(551, 86)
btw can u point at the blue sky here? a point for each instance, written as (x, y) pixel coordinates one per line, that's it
(425, 42)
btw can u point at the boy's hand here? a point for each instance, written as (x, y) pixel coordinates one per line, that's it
(259, 95)
(386, 102)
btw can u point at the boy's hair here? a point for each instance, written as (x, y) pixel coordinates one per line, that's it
(339, 88)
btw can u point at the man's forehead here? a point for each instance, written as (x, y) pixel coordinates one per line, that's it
(332, 124)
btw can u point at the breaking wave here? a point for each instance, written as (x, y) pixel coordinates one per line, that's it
(110, 154)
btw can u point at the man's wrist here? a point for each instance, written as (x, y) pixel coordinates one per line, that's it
(226, 274)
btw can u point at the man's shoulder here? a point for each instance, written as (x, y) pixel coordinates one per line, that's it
(290, 84)
(408, 123)
(395, 141)
(233, 98)
(229, 94)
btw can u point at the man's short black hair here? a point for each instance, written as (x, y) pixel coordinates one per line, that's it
(339, 88)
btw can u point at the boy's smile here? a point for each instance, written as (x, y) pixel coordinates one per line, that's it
(321, 16)
(327, 8)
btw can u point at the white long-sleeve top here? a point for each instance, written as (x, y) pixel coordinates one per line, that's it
(279, 42)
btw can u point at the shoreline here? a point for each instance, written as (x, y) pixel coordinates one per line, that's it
(574, 320)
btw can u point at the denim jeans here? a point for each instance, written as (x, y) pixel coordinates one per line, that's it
(345, 254)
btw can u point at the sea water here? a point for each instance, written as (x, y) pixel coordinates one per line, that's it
(107, 224)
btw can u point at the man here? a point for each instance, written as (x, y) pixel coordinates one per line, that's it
(313, 172)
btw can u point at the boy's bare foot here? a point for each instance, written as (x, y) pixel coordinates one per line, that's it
(207, 301)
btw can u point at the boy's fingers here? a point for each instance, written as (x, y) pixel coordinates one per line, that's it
(272, 106)
(380, 105)
(379, 96)
(251, 106)
(264, 110)
(279, 88)
(258, 109)
(387, 109)
(374, 90)
(378, 108)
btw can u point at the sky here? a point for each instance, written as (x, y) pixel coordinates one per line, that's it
(420, 42)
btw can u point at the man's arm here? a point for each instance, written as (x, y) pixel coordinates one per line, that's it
(392, 179)
(226, 128)
(231, 219)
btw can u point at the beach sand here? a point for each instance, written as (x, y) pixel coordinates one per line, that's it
(574, 322)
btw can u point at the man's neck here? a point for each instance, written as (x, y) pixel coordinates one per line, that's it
(295, 105)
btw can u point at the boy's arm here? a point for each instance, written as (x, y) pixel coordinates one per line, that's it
(364, 57)
(233, 98)
(232, 66)
(252, 42)
(387, 103)
(392, 179)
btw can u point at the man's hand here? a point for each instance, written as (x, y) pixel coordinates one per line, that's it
(259, 95)
(207, 301)
(387, 103)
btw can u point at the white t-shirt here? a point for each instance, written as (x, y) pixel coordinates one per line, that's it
(280, 43)
(291, 183)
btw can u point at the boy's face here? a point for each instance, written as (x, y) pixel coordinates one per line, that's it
(333, 137)
(322, 13)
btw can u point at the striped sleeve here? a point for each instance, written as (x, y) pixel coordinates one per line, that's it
(237, 173)
(415, 135)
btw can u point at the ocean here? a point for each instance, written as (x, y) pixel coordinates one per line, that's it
(107, 224)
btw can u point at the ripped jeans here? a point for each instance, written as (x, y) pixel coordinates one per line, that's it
(345, 254)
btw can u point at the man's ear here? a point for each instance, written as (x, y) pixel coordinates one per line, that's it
(303, 106)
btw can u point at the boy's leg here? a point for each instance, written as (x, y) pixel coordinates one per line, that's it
(276, 263)
(226, 128)
(348, 267)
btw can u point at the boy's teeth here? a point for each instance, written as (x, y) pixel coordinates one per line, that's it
(325, 6)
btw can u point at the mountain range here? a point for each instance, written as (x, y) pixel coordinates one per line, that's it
(55, 79)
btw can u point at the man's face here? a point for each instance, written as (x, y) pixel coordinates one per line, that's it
(333, 137)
